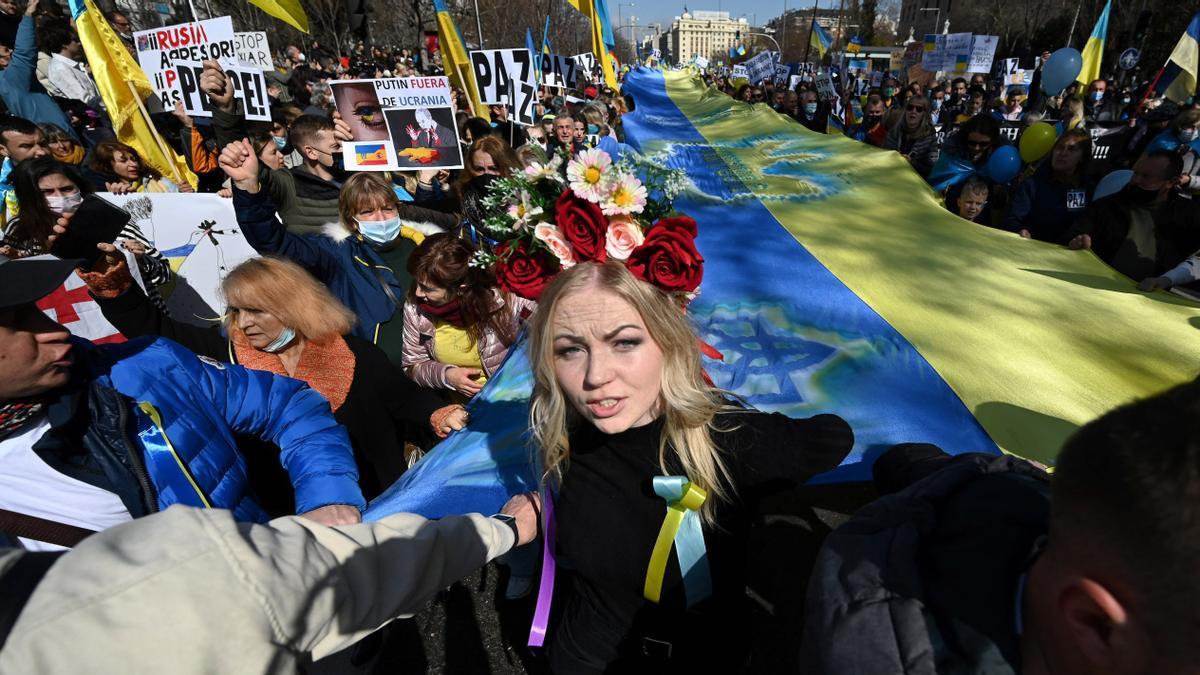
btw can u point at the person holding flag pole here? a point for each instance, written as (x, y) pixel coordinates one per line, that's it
(123, 87)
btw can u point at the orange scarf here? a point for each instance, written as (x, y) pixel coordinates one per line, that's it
(327, 368)
(75, 157)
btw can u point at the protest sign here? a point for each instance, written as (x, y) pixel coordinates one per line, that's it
(587, 64)
(159, 49)
(1109, 140)
(858, 64)
(983, 50)
(398, 124)
(861, 86)
(958, 52)
(760, 67)
(1011, 73)
(253, 50)
(495, 68)
(781, 72)
(876, 78)
(559, 71)
(933, 58)
(200, 236)
(739, 72)
(793, 81)
(895, 63)
(523, 97)
(825, 87)
(249, 87)
(701, 62)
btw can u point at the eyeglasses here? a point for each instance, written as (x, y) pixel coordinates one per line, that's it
(916, 108)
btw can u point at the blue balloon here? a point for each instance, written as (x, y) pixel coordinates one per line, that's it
(1004, 164)
(1112, 183)
(1060, 70)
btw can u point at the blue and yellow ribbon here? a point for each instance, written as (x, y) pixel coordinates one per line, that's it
(171, 473)
(680, 528)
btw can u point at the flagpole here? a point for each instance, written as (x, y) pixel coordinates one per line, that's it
(1145, 97)
(162, 147)
(478, 24)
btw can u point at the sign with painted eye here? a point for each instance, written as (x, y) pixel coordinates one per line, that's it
(398, 124)
(495, 70)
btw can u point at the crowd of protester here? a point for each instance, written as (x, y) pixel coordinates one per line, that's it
(1148, 230)
(357, 338)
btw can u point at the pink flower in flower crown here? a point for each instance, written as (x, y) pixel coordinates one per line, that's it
(625, 195)
(624, 234)
(588, 174)
(552, 237)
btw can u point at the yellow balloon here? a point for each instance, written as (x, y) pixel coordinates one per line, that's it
(1036, 142)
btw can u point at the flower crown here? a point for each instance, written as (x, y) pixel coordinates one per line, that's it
(619, 211)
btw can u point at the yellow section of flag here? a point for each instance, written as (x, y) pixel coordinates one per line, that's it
(288, 11)
(123, 86)
(454, 59)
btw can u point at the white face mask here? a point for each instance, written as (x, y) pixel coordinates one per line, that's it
(1188, 135)
(65, 204)
(379, 231)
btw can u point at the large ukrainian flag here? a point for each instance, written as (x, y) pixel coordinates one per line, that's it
(1093, 51)
(836, 282)
(818, 39)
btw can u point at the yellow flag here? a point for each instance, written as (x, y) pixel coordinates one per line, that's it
(288, 11)
(123, 86)
(454, 58)
(588, 7)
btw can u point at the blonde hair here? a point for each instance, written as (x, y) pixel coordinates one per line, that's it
(689, 405)
(363, 189)
(290, 294)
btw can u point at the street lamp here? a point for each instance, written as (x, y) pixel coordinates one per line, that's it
(936, 19)
(619, 22)
(769, 38)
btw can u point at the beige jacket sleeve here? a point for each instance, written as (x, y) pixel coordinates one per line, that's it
(192, 590)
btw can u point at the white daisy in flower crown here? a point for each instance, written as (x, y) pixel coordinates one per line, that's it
(522, 212)
(588, 173)
(626, 195)
(549, 171)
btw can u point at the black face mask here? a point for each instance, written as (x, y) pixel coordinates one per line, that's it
(1138, 195)
(872, 120)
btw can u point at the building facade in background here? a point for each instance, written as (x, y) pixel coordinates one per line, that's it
(702, 33)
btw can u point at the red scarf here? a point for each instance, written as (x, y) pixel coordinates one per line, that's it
(450, 312)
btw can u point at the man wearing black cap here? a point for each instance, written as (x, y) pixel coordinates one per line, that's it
(92, 436)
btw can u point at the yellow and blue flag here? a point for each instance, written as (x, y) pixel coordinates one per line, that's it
(454, 58)
(836, 282)
(819, 39)
(123, 86)
(605, 24)
(1178, 80)
(1093, 51)
(597, 12)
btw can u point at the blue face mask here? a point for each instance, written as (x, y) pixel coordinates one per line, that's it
(593, 129)
(937, 104)
(1097, 96)
(379, 231)
(810, 108)
(286, 336)
(280, 142)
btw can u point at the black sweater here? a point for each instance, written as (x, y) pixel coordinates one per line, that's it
(382, 407)
(608, 518)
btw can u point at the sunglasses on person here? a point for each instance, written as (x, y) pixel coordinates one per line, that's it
(916, 108)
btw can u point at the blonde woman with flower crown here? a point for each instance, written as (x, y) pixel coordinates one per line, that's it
(620, 411)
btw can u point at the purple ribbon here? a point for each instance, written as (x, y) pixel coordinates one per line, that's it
(541, 613)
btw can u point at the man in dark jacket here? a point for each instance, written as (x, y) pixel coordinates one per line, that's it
(1099, 106)
(92, 436)
(981, 564)
(1146, 229)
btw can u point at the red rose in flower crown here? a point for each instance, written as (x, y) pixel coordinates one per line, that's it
(583, 225)
(668, 257)
(523, 271)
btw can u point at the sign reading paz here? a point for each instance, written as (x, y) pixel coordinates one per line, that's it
(494, 69)
(559, 71)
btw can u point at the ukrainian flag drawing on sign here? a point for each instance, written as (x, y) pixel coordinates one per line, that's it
(371, 155)
(835, 282)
